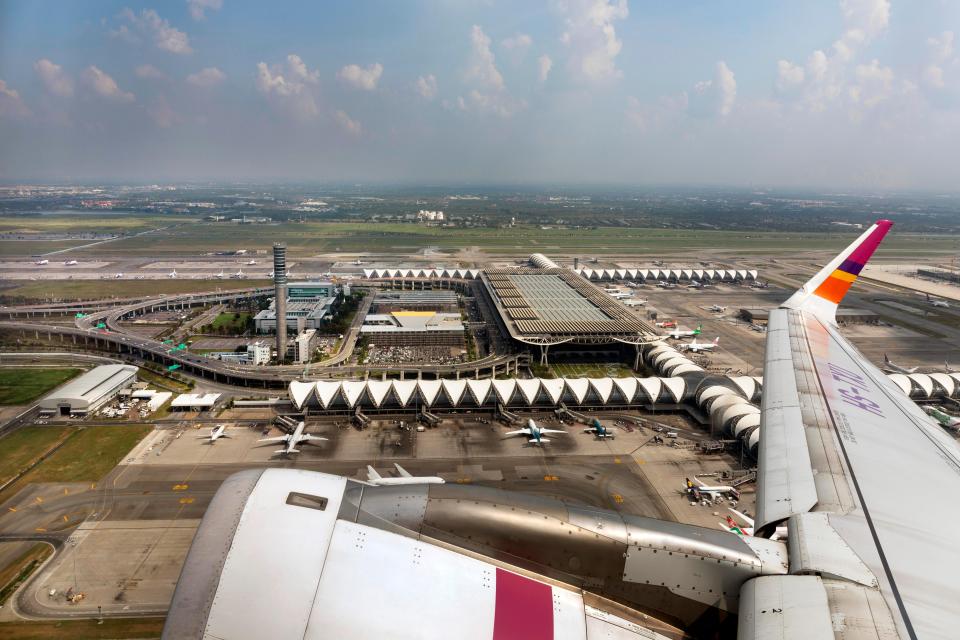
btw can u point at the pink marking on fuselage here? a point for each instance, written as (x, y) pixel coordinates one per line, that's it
(524, 608)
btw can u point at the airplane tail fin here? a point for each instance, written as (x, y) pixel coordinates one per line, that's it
(541, 440)
(716, 340)
(372, 474)
(403, 472)
(287, 451)
(886, 359)
(824, 291)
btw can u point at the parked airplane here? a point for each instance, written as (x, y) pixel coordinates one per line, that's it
(943, 419)
(666, 285)
(405, 478)
(220, 276)
(293, 439)
(937, 302)
(635, 302)
(891, 367)
(622, 295)
(600, 431)
(40, 263)
(71, 263)
(717, 308)
(733, 526)
(666, 324)
(700, 490)
(697, 347)
(239, 275)
(534, 432)
(676, 334)
(756, 284)
(219, 431)
(118, 276)
(250, 263)
(696, 284)
(172, 274)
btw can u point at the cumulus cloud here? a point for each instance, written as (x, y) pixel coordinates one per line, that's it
(104, 86)
(544, 65)
(591, 36)
(519, 42)
(715, 96)
(289, 85)
(941, 52)
(489, 93)
(10, 102)
(149, 23)
(364, 78)
(54, 79)
(208, 77)
(823, 79)
(149, 71)
(874, 84)
(427, 87)
(198, 8)
(348, 124)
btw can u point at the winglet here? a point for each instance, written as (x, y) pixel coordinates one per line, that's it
(824, 291)
(372, 474)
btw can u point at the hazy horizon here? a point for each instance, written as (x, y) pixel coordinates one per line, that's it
(840, 95)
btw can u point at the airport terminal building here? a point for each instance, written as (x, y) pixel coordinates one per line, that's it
(86, 393)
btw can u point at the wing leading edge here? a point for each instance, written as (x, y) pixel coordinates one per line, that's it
(854, 468)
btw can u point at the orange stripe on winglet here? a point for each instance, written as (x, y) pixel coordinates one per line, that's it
(843, 275)
(833, 289)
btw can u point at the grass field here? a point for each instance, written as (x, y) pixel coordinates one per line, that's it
(111, 629)
(23, 446)
(592, 370)
(88, 454)
(231, 322)
(89, 223)
(55, 290)
(316, 237)
(22, 385)
(20, 569)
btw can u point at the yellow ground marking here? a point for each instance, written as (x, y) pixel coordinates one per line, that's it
(616, 461)
(551, 478)
(14, 509)
(66, 519)
(93, 485)
(180, 487)
(66, 492)
(464, 481)
(187, 500)
(39, 529)
(39, 498)
(617, 498)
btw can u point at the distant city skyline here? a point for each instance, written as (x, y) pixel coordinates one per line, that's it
(842, 94)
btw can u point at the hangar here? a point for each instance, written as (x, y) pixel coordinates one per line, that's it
(87, 392)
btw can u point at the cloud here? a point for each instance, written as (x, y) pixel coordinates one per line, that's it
(941, 52)
(715, 96)
(150, 72)
(427, 86)
(10, 102)
(54, 79)
(489, 91)
(348, 124)
(288, 85)
(208, 77)
(874, 84)
(104, 86)
(518, 42)
(824, 78)
(592, 38)
(198, 8)
(365, 78)
(163, 114)
(157, 29)
(544, 65)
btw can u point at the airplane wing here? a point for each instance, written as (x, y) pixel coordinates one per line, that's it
(306, 437)
(552, 431)
(403, 472)
(863, 481)
(518, 432)
(277, 439)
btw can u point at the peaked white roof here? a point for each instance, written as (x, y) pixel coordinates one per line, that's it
(924, 381)
(603, 387)
(553, 387)
(945, 381)
(429, 389)
(505, 389)
(901, 381)
(578, 387)
(651, 386)
(404, 389)
(479, 389)
(454, 390)
(627, 386)
(529, 389)
(378, 390)
(326, 391)
(300, 392)
(746, 384)
(352, 390)
(675, 386)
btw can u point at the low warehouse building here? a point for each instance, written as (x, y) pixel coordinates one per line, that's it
(86, 393)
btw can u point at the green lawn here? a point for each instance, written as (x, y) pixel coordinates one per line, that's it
(231, 322)
(89, 454)
(23, 446)
(111, 629)
(592, 370)
(20, 385)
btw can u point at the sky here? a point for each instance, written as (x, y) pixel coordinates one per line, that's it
(850, 94)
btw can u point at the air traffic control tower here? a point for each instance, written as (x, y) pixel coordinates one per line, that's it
(280, 293)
